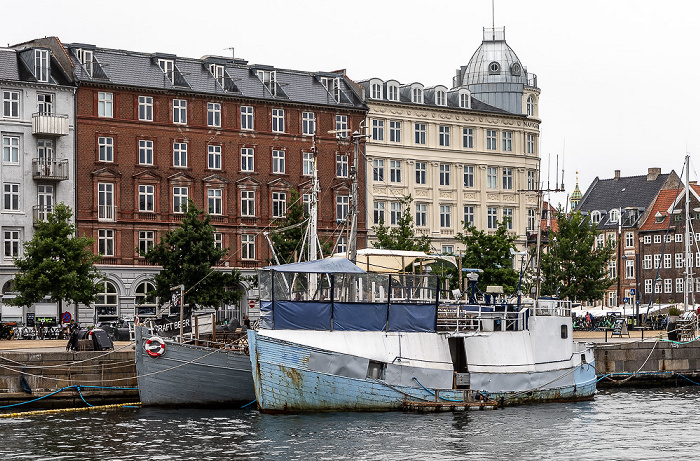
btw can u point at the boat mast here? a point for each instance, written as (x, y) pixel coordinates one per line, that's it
(688, 265)
(352, 240)
(313, 208)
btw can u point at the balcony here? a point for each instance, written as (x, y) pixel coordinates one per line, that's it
(41, 213)
(43, 169)
(49, 124)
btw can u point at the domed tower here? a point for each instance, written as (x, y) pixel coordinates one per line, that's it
(576, 195)
(496, 76)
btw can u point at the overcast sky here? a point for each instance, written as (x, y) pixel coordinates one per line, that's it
(617, 77)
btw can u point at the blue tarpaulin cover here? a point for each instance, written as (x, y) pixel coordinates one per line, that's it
(412, 317)
(302, 315)
(320, 266)
(359, 316)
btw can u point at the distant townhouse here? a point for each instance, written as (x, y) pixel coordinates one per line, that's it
(37, 132)
(617, 206)
(156, 129)
(469, 153)
(663, 247)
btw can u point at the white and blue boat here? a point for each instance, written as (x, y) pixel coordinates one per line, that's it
(334, 338)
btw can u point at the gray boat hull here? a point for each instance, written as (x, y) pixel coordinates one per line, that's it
(187, 375)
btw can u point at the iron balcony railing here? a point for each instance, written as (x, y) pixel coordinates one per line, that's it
(106, 212)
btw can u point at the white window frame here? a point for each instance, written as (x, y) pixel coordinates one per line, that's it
(279, 204)
(247, 118)
(507, 175)
(468, 176)
(105, 242)
(507, 213)
(248, 203)
(341, 165)
(378, 170)
(491, 177)
(247, 159)
(180, 154)
(145, 152)
(214, 156)
(105, 201)
(214, 114)
(342, 207)
(247, 246)
(105, 104)
(507, 138)
(105, 148)
(147, 198)
(394, 131)
(444, 135)
(147, 240)
(12, 243)
(421, 172)
(307, 163)
(146, 108)
(420, 133)
(446, 216)
(394, 213)
(278, 120)
(180, 111)
(10, 149)
(469, 215)
(421, 214)
(180, 196)
(491, 218)
(395, 171)
(11, 197)
(341, 126)
(215, 199)
(530, 143)
(308, 123)
(41, 65)
(444, 174)
(10, 103)
(468, 138)
(377, 130)
(378, 213)
(279, 161)
(491, 140)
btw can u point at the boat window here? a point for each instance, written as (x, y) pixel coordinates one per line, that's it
(376, 370)
(564, 332)
(583, 359)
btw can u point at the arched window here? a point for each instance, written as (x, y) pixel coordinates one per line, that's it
(595, 217)
(440, 98)
(145, 305)
(417, 95)
(376, 91)
(494, 68)
(530, 106)
(8, 287)
(392, 92)
(107, 302)
(614, 215)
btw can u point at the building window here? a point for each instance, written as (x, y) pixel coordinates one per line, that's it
(145, 304)
(246, 117)
(378, 130)
(218, 241)
(395, 213)
(667, 261)
(279, 204)
(679, 260)
(530, 141)
(629, 239)
(646, 262)
(464, 101)
(12, 243)
(614, 216)
(444, 174)
(105, 242)
(468, 215)
(419, 132)
(395, 170)
(668, 285)
(507, 141)
(376, 91)
(307, 163)
(278, 162)
(278, 120)
(341, 165)
(629, 269)
(417, 95)
(469, 176)
(445, 216)
(45, 201)
(214, 157)
(421, 214)
(448, 249)
(146, 108)
(647, 286)
(146, 198)
(679, 285)
(248, 246)
(420, 172)
(531, 220)
(145, 152)
(600, 241)
(105, 201)
(378, 170)
(214, 114)
(105, 149)
(180, 111)
(394, 131)
(10, 149)
(342, 207)
(41, 65)
(168, 68)
(247, 159)
(248, 203)
(180, 196)
(507, 178)
(308, 123)
(342, 245)
(531, 183)
(105, 104)
(530, 106)
(612, 269)
(44, 103)
(214, 201)
(468, 138)
(392, 92)
(107, 303)
(180, 154)
(378, 212)
(492, 177)
(341, 126)
(492, 217)
(612, 298)
(595, 217)
(657, 261)
(147, 239)
(444, 135)
(440, 98)
(10, 104)
(491, 139)
(508, 218)
(678, 238)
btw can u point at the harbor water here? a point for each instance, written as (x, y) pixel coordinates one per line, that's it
(634, 424)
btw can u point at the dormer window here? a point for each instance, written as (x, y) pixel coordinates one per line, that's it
(269, 79)
(217, 70)
(376, 91)
(659, 217)
(333, 86)
(440, 98)
(464, 100)
(168, 68)
(595, 217)
(417, 95)
(392, 92)
(494, 68)
(86, 58)
(530, 106)
(41, 65)
(614, 216)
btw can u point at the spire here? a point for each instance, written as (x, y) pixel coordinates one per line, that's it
(576, 195)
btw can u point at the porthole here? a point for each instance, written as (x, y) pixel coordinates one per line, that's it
(515, 69)
(494, 68)
(564, 332)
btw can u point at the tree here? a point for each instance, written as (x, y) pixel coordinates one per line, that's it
(288, 242)
(57, 263)
(188, 255)
(572, 266)
(402, 237)
(490, 253)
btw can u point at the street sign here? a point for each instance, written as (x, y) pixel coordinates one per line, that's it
(65, 318)
(251, 304)
(633, 291)
(625, 300)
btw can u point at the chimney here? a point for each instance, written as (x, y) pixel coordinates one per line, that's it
(617, 174)
(693, 183)
(653, 174)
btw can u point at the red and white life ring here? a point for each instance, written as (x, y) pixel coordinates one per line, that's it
(155, 347)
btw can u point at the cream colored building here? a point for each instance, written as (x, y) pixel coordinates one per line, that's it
(469, 153)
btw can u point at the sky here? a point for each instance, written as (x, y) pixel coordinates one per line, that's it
(616, 77)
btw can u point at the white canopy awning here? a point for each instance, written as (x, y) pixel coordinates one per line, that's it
(378, 260)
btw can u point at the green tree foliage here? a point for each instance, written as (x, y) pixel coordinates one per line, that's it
(571, 264)
(188, 255)
(288, 242)
(490, 253)
(57, 263)
(403, 236)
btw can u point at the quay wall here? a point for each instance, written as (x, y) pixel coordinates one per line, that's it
(28, 375)
(657, 363)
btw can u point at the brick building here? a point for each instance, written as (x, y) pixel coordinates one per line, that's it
(155, 130)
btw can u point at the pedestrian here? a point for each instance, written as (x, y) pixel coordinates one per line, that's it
(246, 321)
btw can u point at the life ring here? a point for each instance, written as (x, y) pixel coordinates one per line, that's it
(155, 347)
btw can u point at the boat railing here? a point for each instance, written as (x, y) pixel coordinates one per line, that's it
(470, 317)
(552, 307)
